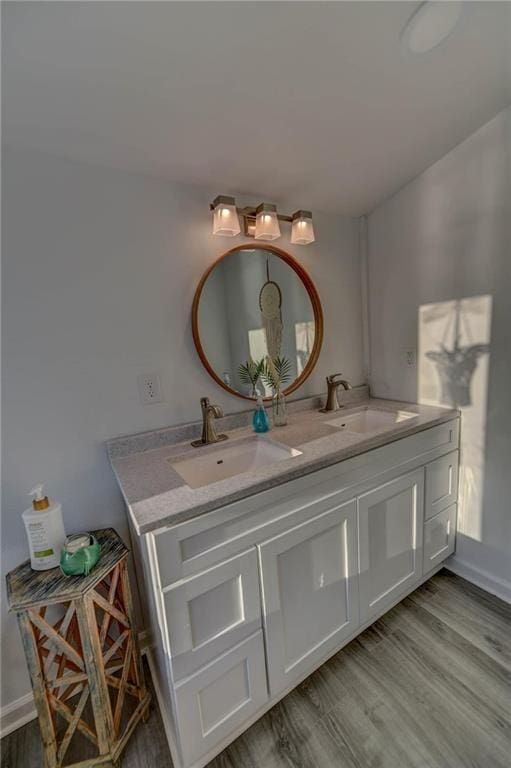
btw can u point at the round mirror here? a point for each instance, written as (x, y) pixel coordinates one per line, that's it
(252, 304)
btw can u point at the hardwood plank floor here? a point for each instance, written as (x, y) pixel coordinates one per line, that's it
(426, 686)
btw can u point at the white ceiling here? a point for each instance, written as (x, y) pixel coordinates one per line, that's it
(311, 101)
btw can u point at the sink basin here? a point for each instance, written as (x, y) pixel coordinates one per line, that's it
(371, 420)
(230, 460)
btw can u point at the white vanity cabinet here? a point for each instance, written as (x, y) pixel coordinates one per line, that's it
(249, 599)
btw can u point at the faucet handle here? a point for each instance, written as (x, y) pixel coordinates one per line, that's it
(204, 401)
(330, 379)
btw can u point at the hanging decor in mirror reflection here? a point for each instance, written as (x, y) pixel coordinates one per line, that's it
(270, 302)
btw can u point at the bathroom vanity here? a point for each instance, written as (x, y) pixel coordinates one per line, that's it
(254, 577)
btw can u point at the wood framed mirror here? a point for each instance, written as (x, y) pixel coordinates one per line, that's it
(252, 302)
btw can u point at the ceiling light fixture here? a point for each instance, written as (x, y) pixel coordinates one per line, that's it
(431, 24)
(261, 222)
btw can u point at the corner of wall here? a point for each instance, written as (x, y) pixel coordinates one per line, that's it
(364, 288)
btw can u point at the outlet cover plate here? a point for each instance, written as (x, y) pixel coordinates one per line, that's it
(149, 388)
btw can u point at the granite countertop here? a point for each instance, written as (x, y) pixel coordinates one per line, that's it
(157, 496)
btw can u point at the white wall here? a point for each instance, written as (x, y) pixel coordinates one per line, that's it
(447, 236)
(100, 268)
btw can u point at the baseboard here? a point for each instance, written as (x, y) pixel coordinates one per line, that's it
(480, 578)
(22, 710)
(16, 714)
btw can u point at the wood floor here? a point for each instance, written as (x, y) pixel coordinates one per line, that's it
(426, 686)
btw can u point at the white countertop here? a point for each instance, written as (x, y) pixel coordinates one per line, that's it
(157, 495)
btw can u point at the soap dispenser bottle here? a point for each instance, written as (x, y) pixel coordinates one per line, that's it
(260, 420)
(45, 530)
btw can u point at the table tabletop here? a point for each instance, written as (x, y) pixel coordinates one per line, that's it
(27, 588)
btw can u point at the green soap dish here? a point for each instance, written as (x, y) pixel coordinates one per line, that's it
(80, 554)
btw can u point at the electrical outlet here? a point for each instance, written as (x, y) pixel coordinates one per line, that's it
(410, 357)
(149, 388)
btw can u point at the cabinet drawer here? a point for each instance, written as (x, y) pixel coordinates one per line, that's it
(216, 700)
(441, 484)
(439, 537)
(211, 612)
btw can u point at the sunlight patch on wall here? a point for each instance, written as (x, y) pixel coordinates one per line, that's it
(304, 337)
(454, 361)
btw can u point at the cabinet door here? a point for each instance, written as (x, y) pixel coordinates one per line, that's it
(390, 525)
(310, 592)
(439, 537)
(212, 611)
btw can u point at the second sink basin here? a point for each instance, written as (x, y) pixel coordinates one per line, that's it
(371, 420)
(230, 460)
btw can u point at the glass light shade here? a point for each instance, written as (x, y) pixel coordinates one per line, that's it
(267, 225)
(302, 231)
(225, 217)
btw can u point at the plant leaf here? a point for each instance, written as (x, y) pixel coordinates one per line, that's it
(250, 371)
(276, 372)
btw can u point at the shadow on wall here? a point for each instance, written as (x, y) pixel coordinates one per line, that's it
(454, 357)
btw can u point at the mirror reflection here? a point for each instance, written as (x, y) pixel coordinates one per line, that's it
(254, 305)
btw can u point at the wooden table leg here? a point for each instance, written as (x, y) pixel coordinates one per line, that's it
(93, 658)
(137, 659)
(42, 704)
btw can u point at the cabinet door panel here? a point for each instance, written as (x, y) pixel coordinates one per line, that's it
(218, 698)
(441, 484)
(390, 524)
(310, 599)
(212, 611)
(439, 537)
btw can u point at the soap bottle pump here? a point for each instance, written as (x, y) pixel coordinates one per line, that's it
(45, 530)
(260, 420)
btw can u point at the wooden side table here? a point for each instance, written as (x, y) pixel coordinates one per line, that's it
(83, 656)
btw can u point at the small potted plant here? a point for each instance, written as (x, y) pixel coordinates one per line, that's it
(275, 374)
(250, 372)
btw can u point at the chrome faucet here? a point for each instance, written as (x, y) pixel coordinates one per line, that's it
(209, 433)
(333, 383)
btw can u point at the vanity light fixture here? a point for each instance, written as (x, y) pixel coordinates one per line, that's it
(302, 231)
(225, 216)
(267, 224)
(261, 222)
